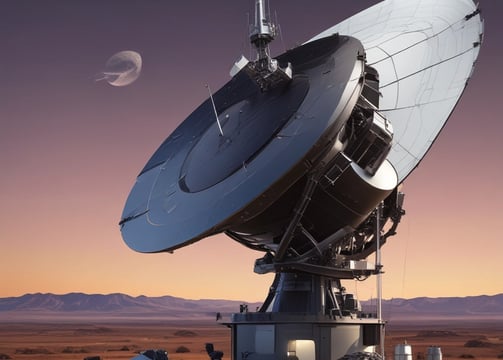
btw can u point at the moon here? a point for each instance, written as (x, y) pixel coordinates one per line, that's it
(122, 69)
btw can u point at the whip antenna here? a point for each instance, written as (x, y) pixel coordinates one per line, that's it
(215, 110)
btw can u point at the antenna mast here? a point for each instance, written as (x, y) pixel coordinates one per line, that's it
(378, 212)
(265, 71)
(261, 34)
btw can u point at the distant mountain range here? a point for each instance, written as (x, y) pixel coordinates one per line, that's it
(475, 307)
(112, 306)
(121, 307)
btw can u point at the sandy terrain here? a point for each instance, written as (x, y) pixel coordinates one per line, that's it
(458, 339)
(70, 341)
(110, 341)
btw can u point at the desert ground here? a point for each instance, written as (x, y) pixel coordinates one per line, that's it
(116, 340)
(69, 341)
(459, 339)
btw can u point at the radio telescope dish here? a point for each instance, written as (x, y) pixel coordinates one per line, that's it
(424, 52)
(403, 81)
(301, 157)
(200, 183)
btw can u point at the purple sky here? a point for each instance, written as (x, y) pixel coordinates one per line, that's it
(70, 149)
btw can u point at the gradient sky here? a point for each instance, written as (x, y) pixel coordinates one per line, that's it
(70, 150)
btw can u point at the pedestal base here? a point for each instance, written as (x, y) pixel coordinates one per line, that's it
(307, 320)
(296, 337)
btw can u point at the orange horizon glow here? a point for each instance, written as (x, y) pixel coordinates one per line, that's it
(70, 150)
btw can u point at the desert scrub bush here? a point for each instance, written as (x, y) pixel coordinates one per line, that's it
(182, 349)
(70, 350)
(436, 333)
(476, 344)
(5, 356)
(29, 351)
(467, 356)
(185, 333)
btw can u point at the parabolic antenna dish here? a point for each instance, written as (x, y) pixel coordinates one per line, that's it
(296, 168)
(199, 183)
(424, 52)
(301, 157)
(123, 68)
